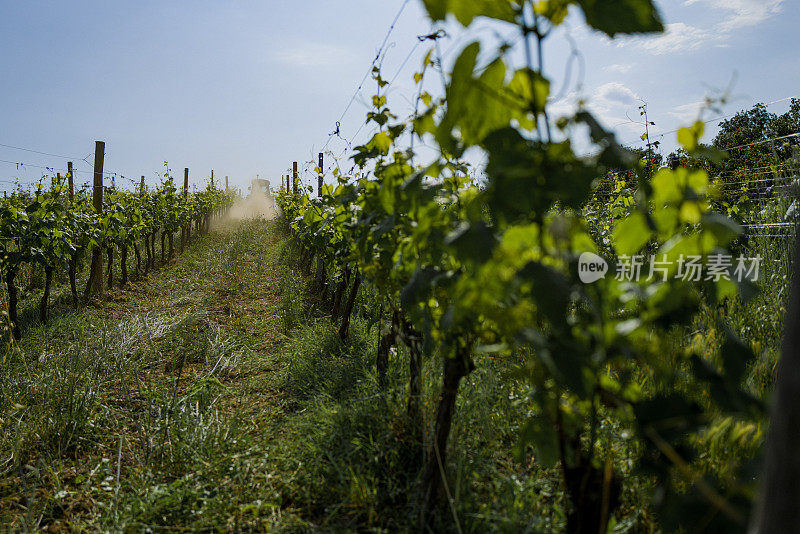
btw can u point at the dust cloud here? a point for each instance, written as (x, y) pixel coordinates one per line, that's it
(258, 204)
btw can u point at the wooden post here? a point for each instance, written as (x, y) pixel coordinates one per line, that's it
(776, 509)
(72, 264)
(226, 183)
(212, 178)
(186, 233)
(320, 278)
(319, 178)
(70, 183)
(48, 269)
(96, 272)
(294, 177)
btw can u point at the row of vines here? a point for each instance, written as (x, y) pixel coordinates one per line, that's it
(467, 271)
(53, 228)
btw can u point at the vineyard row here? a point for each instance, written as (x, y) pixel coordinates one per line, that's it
(57, 228)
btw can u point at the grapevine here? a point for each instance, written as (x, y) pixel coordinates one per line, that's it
(471, 270)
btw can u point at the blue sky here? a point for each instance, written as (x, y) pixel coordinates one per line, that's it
(245, 87)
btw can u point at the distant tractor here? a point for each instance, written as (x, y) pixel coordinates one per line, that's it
(260, 185)
(260, 191)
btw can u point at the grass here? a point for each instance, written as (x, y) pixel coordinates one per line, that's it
(135, 414)
(216, 395)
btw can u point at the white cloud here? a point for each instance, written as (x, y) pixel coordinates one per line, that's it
(613, 104)
(688, 113)
(615, 92)
(734, 15)
(742, 13)
(620, 68)
(677, 37)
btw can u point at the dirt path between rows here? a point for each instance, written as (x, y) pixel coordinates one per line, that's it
(165, 382)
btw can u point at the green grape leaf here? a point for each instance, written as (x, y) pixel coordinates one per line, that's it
(473, 242)
(550, 291)
(723, 228)
(527, 177)
(622, 16)
(690, 137)
(476, 106)
(466, 10)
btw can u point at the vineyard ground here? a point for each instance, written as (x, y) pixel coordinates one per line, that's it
(149, 409)
(216, 394)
